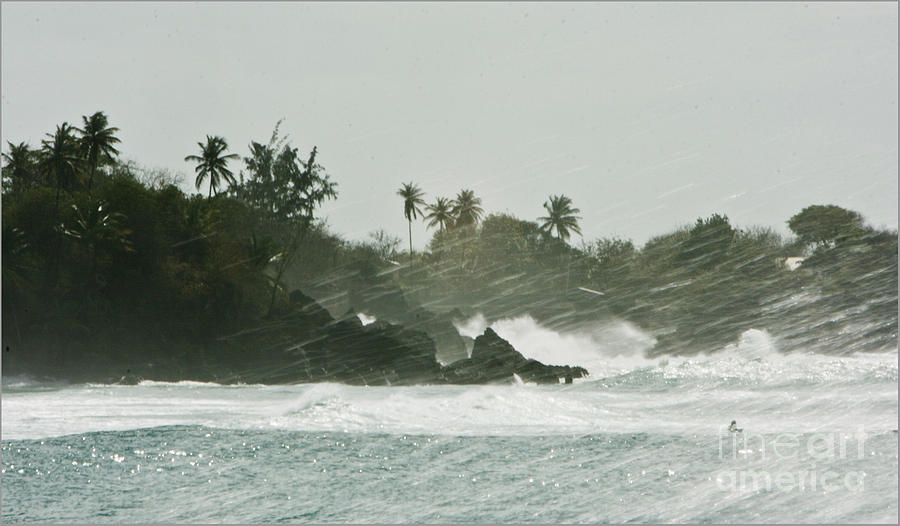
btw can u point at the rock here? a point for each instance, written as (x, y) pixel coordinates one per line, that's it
(306, 344)
(387, 302)
(496, 360)
(129, 379)
(375, 353)
(309, 309)
(469, 342)
(449, 345)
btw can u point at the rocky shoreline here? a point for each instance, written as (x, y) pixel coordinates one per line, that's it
(306, 344)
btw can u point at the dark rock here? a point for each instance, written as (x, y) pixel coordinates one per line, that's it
(302, 343)
(387, 302)
(449, 345)
(309, 308)
(306, 344)
(495, 360)
(375, 353)
(129, 379)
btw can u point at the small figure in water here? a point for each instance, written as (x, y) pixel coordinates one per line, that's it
(734, 428)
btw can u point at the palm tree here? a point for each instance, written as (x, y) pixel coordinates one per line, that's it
(213, 164)
(97, 139)
(412, 198)
(18, 172)
(96, 228)
(15, 259)
(16, 267)
(60, 157)
(560, 216)
(467, 208)
(440, 213)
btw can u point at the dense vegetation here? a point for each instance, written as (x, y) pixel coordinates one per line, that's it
(106, 261)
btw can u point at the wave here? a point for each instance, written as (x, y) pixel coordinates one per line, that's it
(24, 382)
(615, 349)
(750, 381)
(669, 398)
(186, 383)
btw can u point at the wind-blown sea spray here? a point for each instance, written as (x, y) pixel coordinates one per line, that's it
(603, 348)
(640, 439)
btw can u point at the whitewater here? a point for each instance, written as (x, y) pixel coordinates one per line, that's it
(640, 439)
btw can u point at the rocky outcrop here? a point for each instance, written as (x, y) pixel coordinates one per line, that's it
(305, 343)
(495, 360)
(387, 302)
(449, 345)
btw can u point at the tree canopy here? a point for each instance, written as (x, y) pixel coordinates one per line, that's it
(20, 168)
(60, 156)
(212, 164)
(467, 209)
(412, 200)
(97, 140)
(823, 224)
(285, 191)
(136, 269)
(560, 217)
(708, 241)
(440, 213)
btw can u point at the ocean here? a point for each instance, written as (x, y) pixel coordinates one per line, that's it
(639, 440)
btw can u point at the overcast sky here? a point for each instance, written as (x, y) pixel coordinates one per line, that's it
(647, 115)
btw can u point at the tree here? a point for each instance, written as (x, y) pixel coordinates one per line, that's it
(824, 224)
(561, 217)
(268, 168)
(467, 209)
(709, 242)
(16, 263)
(609, 260)
(213, 164)
(286, 191)
(613, 250)
(97, 140)
(97, 228)
(512, 244)
(384, 244)
(158, 178)
(60, 157)
(412, 199)
(440, 213)
(19, 172)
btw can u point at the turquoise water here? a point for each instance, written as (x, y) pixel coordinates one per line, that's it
(639, 440)
(200, 474)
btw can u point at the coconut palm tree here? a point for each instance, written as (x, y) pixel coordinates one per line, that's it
(412, 199)
(97, 140)
(59, 160)
(440, 213)
(15, 260)
(17, 266)
(561, 217)
(96, 228)
(19, 168)
(60, 157)
(467, 208)
(212, 163)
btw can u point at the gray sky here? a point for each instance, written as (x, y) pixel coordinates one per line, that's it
(647, 115)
